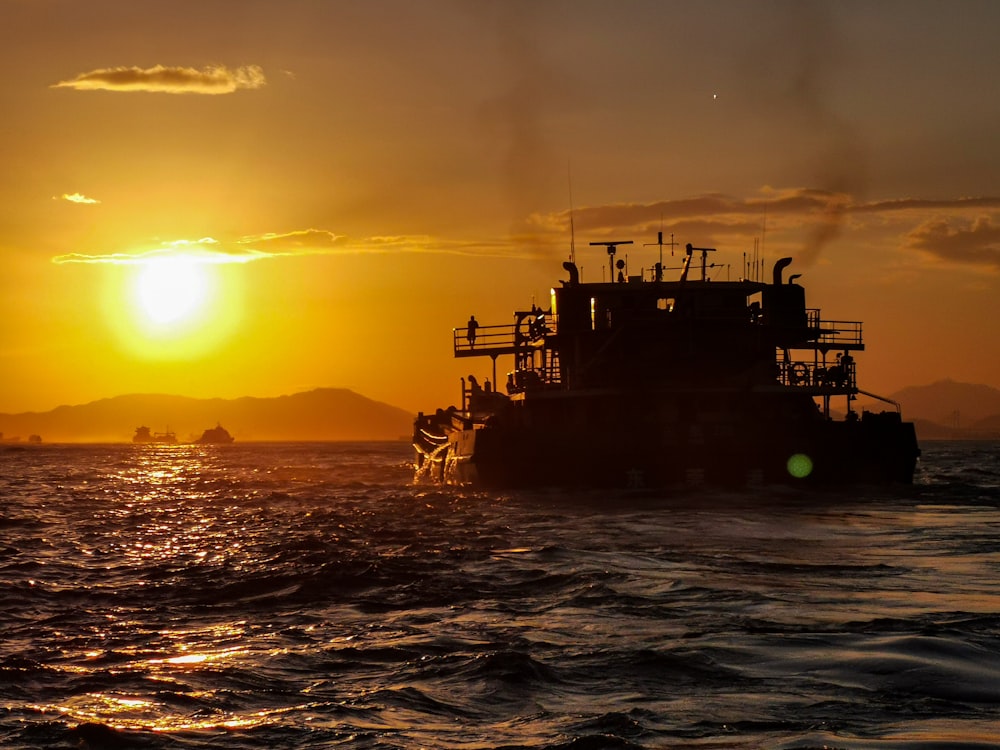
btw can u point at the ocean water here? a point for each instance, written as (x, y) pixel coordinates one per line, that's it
(310, 596)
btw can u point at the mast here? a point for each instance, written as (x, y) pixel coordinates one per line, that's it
(660, 243)
(572, 232)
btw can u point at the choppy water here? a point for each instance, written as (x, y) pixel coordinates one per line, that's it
(308, 596)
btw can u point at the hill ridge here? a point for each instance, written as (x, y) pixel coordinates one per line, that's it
(948, 401)
(318, 414)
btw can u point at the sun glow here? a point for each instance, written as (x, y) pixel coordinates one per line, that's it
(171, 290)
(173, 307)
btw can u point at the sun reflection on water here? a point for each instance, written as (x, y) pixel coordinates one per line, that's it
(128, 713)
(174, 521)
(171, 507)
(176, 659)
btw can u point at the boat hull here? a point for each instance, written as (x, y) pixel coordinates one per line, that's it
(667, 446)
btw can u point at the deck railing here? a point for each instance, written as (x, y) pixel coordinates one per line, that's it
(836, 333)
(486, 338)
(496, 340)
(835, 378)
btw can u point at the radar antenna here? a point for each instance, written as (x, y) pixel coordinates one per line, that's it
(612, 249)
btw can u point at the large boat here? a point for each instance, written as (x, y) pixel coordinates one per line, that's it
(144, 435)
(217, 435)
(639, 381)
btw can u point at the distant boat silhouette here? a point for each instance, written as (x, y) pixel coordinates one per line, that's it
(217, 435)
(143, 435)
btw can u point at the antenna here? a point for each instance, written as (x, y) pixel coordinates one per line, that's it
(763, 233)
(660, 243)
(572, 231)
(612, 249)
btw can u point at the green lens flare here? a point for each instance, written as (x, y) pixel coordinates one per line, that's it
(800, 466)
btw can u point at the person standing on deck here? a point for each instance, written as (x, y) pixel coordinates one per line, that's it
(470, 332)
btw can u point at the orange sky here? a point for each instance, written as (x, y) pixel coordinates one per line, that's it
(350, 180)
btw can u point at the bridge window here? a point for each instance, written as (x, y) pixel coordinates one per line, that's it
(665, 303)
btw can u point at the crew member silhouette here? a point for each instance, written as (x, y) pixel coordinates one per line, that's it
(470, 332)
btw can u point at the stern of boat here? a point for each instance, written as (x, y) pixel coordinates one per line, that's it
(444, 449)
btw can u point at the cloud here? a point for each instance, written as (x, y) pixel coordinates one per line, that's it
(790, 219)
(171, 80)
(795, 221)
(204, 250)
(303, 242)
(801, 202)
(324, 242)
(974, 243)
(297, 242)
(710, 214)
(75, 198)
(919, 204)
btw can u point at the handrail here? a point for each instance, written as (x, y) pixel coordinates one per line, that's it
(899, 409)
(839, 332)
(803, 373)
(501, 339)
(486, 337)
(834, 333)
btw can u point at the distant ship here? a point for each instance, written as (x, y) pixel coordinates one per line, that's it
(217, 435)
(32, 439)
(143, 435)
(639, 381)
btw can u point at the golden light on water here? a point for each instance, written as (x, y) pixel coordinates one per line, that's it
(167, 520)
(199, 657)
(178, 653)
(124, 712)
(168, 523)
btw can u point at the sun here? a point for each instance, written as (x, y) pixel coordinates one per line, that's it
(171, 291)
(176, 306)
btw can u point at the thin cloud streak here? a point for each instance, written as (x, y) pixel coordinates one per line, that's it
(204, 250)
(298, 243)
(910, 204)
(216, 79)
(800, 202)
(76, 198)
(199, 255)
(324, 242)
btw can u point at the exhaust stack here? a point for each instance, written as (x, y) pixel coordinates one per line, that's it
(779, 266)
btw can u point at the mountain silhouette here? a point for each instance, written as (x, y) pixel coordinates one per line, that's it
(949, 402)
(944, 409)
(321, 414)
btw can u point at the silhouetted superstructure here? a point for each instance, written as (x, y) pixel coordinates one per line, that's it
(217, 435)
(645, 382)
(143, 435)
